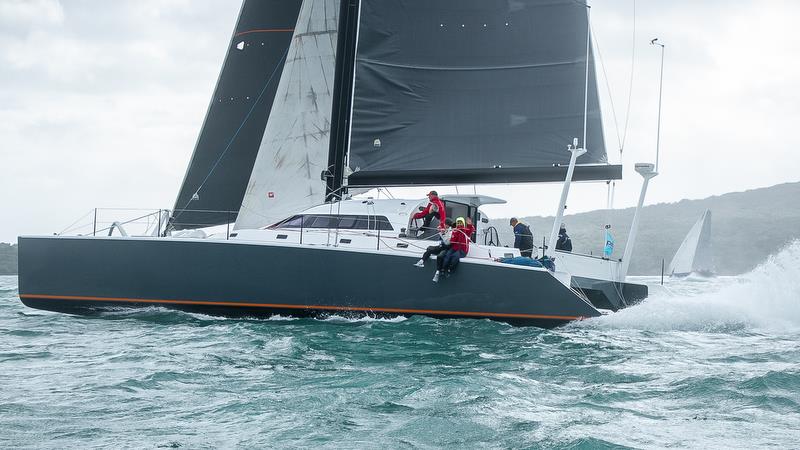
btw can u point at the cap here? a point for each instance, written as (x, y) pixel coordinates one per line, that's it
(433, 193)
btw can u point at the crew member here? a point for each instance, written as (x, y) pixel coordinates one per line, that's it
(459, 247)
(435, 209)
(444, 245)
(469, 229)
(564, 243)
(523, 237)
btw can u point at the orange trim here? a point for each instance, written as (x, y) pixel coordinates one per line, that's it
(284, 306)
(271, 30)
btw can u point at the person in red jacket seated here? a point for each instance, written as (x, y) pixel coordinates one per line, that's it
(459, 247)
(435, 209)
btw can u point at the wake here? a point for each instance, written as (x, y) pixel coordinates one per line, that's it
(766, 298)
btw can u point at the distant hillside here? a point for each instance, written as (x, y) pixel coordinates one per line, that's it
(746, 227)
(8, 259)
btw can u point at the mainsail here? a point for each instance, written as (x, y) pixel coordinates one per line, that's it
(694, 254)
(293, 154)
(226, 148)
(473, 91)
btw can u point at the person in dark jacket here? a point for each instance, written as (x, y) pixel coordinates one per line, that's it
(523, 237)
(564, 243)
(434, 210)
(443, 246)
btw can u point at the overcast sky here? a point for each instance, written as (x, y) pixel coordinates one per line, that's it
(101, 102)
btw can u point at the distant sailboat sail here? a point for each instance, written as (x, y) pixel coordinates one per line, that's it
(694, 254)
(226, 148)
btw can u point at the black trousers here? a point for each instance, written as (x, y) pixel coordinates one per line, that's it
(440, 259)
(528, 253)
(437, 249)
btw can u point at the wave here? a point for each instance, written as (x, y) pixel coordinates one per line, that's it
(767, 297)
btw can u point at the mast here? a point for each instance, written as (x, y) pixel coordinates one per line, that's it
(342, 98)
(574, 149)
(562, 204)
(647, 171)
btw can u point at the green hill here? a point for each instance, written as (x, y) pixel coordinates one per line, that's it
(8, 259)
(746, 227)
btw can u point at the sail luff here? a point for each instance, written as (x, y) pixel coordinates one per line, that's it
(342, 108)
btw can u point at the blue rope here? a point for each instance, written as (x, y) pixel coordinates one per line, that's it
(230, 142)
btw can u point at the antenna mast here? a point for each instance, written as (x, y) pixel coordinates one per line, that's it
(660, 90)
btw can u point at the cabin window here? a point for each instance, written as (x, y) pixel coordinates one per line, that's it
(343, 222)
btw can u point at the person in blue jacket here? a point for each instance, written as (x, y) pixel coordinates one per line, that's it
(523, 237)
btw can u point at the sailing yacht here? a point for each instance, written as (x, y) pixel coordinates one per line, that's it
(694, 256)
(321, 100)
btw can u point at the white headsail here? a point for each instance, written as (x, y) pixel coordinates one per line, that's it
(694, 254)
(294, 151)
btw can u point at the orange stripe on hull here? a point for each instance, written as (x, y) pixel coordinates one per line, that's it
(319, 307)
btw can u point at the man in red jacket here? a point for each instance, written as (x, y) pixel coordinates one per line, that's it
(435, 209)
(459, 247)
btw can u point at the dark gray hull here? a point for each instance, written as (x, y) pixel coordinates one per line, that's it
(610, 295)
(80, 274)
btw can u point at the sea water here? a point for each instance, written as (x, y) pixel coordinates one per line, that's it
(703, 363)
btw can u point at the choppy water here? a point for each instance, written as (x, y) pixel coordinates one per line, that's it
(701, 364)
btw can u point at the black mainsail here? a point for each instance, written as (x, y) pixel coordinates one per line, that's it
(229, 140)
(473, 91)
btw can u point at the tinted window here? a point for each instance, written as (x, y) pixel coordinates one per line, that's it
(346, 222)
(291, 222)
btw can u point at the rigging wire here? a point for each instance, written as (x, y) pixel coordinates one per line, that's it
(623, 135)
(630, 82)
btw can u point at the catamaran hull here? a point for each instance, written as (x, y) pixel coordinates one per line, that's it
(82, 274)
(611, 295)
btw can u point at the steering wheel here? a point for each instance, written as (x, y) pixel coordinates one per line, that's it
(491, 237)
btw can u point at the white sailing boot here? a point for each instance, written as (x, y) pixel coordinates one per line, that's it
(436, 277)
(420, 263)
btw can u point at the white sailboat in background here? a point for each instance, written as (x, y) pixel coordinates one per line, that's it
(694, 255)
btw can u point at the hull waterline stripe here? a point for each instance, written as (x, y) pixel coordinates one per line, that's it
(272, 30)
(284, 306)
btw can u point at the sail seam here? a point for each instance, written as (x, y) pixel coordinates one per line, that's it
(268, 30)
(518, 66)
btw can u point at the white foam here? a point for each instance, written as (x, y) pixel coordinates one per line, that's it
(767, 297)
(356, 319)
